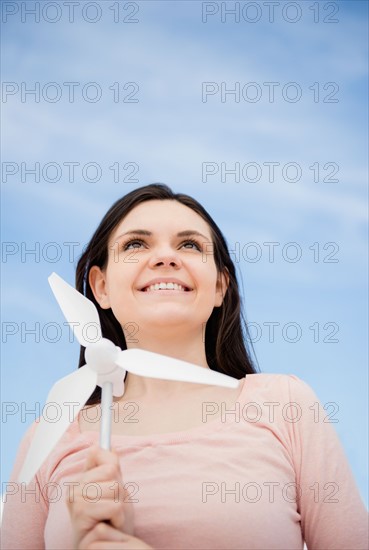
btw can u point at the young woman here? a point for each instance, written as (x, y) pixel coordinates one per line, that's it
(191, 466)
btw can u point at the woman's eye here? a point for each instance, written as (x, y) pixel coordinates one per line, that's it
(136, 243)
(193, 244)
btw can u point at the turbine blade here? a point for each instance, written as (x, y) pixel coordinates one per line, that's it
(74, 389)
(78, 310)
(155, 365)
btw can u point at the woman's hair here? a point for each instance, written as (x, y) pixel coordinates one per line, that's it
(226, 332)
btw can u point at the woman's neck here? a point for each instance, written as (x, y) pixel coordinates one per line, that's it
(190, 349)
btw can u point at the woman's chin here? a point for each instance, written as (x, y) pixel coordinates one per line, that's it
(166, 320)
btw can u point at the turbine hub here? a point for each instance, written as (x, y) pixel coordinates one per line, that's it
(101, 356)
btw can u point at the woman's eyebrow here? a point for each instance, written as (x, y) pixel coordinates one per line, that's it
(186, 233)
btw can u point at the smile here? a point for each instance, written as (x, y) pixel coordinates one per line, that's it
(165, 286)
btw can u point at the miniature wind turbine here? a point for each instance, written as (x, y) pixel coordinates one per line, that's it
(106, 366)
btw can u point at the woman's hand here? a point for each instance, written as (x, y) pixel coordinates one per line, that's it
(105, 499)
(105, 537)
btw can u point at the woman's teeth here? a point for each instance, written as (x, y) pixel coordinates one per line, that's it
(165, 286)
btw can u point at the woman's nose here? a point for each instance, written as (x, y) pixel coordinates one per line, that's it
(167, 258)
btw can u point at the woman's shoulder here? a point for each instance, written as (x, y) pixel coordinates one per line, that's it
(275, 385)
(264, 379)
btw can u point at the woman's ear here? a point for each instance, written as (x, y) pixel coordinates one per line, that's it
(98, 284)
(221, 287)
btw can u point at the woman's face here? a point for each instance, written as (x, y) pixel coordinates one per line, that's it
(160, 242)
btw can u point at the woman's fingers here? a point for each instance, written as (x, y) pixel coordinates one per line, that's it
(87, 512)
(105, 537)
(93, 489)
(101, 532)
(104, 472)
(101, 482)
(100, 496)
(98, 456)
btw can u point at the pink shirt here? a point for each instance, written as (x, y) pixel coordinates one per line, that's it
(267, 476)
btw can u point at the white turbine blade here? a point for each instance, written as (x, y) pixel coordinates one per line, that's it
(78, 310)
(154, 365)
(68, 396)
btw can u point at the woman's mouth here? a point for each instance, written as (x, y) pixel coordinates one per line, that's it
(165, 286)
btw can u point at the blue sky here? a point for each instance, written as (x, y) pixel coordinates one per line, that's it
(169, 133)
